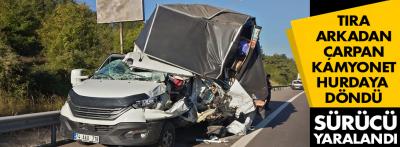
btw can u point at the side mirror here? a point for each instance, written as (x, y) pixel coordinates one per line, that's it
(76, 77)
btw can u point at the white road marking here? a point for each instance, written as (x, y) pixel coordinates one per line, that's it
(247, 138)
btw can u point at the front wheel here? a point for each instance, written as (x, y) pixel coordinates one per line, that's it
(167, 137)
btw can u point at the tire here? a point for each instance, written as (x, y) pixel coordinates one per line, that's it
(167, 137)
(85, 143)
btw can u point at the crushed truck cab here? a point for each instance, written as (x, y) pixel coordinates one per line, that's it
(139, 98)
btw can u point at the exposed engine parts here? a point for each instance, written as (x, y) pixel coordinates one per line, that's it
(196, 99)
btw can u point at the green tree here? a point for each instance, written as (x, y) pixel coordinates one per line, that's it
(19, 20)
(109, 36)
(68, 37)
(281, 68)
(42, 40)
(10, 73)
(131, 32)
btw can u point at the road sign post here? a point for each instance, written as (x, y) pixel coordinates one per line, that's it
(112, 11)
(121, 34)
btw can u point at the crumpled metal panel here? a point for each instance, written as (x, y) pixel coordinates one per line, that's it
(241, 100)
(141, 60)
(109, 11)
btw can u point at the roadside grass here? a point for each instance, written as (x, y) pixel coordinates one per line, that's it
(29, 137)
(16, 106)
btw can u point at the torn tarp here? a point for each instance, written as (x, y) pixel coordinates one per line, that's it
(195, 37)
(253, 77)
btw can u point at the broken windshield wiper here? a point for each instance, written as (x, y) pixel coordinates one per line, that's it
(141, 76)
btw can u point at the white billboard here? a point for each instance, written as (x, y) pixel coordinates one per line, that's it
(109, 11)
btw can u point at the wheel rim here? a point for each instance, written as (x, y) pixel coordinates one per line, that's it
(167, 139)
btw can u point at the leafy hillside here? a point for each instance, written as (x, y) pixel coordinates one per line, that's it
(42, 40)
(281, 68)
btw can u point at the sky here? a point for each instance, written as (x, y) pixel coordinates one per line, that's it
(273, 15)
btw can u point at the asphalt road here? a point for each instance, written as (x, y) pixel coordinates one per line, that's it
(287, 126)
(290, 128)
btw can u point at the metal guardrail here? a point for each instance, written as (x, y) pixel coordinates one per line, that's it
(28, 121)
(279, 87)
(42, 119)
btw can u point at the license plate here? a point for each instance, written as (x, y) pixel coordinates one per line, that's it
(86, 138)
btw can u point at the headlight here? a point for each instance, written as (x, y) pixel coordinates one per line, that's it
(147, 103)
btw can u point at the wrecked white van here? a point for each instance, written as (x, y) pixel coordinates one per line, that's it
(192, 63)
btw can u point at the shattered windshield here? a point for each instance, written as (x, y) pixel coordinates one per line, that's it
(119, 70)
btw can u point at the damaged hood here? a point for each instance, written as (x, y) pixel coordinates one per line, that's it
(114, 93)
(141, 60)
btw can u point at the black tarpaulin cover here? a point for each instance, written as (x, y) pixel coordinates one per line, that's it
(195, 37)
(254, 79)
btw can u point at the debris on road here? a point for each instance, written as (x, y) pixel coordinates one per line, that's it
(219, 131)
(208, 141)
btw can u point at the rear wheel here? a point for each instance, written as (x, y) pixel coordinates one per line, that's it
(167, 137)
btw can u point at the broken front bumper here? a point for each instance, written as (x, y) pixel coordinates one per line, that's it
(126, 134)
